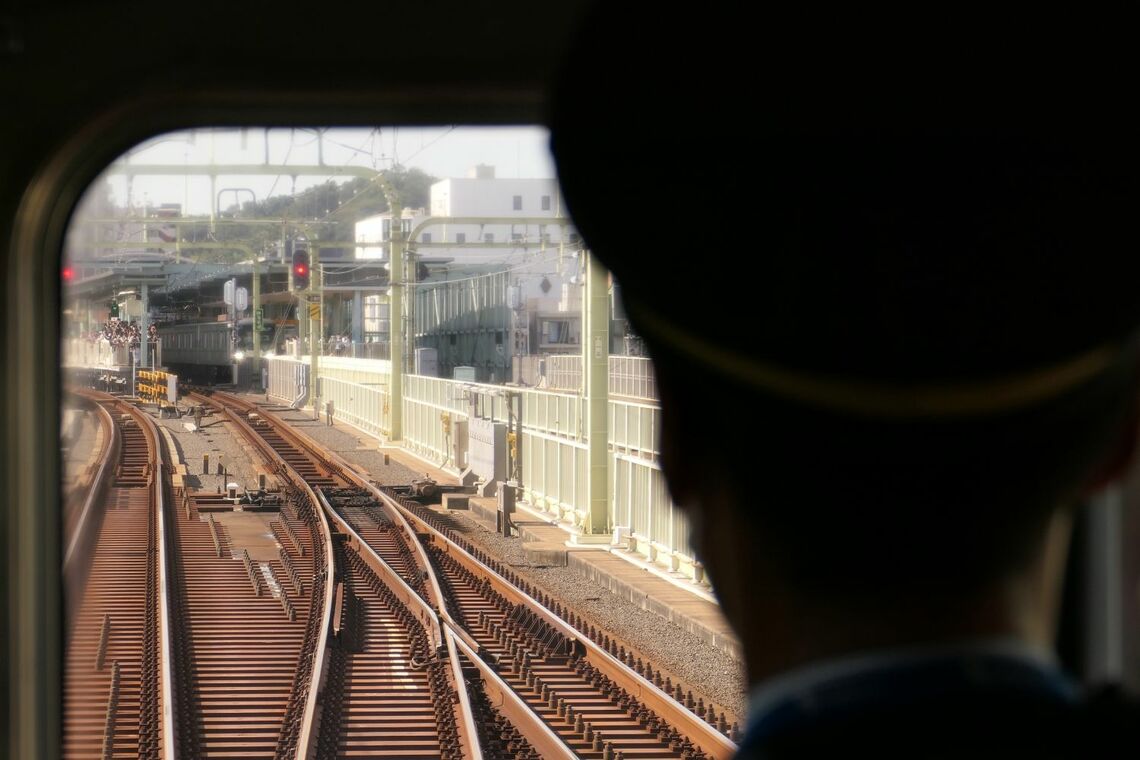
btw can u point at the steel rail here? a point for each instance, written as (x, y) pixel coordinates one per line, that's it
(160, 482)
(697, 729)
(513, 707)
(704, 736)
(306, 743)
(429, 617)
(547, 742)
(154, 733)
(308, 740)
(404, 592)
(101, 480)
(466, 730)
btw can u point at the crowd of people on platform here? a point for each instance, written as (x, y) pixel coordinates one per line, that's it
(339, 345)
(120, 333)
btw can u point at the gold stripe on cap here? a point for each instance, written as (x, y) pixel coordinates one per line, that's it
(884, 400)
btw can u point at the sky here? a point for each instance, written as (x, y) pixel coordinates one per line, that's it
(440, 151)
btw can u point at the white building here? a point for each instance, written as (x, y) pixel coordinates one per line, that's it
(478, 243)
(502, 275)
(378, 229)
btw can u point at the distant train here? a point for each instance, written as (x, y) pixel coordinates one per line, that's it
(200, 351)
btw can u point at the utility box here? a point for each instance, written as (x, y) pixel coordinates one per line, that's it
(459, 443)
(427, 362)
(505, 519)
(487, 450)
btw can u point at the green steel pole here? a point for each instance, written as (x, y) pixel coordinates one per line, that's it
(314, 343)
(595, 377)
(396, 321)
(256, 285)
(410, 347)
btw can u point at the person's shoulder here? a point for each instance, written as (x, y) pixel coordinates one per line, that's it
(1098, 726)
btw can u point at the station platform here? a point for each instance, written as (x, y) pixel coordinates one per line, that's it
(688, 605)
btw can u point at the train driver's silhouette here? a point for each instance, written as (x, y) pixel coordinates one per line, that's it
(887, 269)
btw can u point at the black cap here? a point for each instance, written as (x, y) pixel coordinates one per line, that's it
(859, 196)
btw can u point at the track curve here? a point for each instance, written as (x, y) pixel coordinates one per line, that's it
(596, 702)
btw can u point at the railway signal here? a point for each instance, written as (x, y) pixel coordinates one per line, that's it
(300, 268)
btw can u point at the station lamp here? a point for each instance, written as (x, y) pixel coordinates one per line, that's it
(300, 268)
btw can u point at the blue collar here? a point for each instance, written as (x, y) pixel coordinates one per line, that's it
(882, 680)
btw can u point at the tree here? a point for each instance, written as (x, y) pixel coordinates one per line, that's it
(338, 205)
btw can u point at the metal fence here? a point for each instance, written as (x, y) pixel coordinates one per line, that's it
(634, 428)
(552, 446)
(630, 376)
(288, 379)
(641, 502)
(366, 351)
(364, 406)
(426, 430)
(79, 352)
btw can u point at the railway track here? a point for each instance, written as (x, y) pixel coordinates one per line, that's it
(560, 691)
(113, 652)
(243, 627)
(382, 678)
(333, 621)
(81, 479)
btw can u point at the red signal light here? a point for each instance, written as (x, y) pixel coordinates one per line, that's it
(301, 269)
(68, 274)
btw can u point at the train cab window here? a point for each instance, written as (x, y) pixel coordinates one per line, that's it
(327, 434)
(222, 283)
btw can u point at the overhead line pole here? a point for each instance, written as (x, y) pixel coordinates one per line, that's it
(595, 382)
(396, 319)
(314, 338)
(256, 287)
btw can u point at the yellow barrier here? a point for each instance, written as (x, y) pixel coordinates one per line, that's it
(151, 385)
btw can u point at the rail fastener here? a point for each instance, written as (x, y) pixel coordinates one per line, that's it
(104, 637)
(251, 572)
